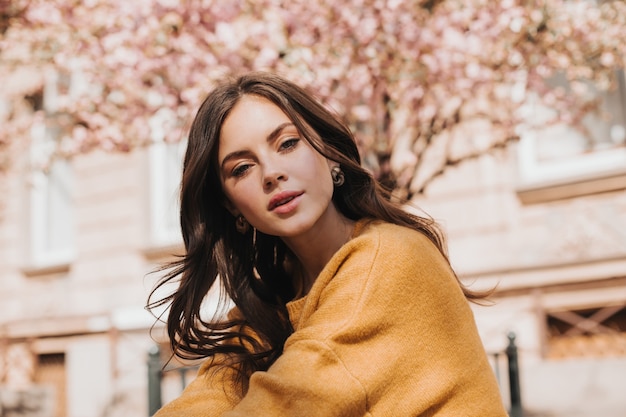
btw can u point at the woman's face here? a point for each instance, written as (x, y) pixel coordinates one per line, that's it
(270, 174)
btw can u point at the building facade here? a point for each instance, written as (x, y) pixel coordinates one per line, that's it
(544, 224)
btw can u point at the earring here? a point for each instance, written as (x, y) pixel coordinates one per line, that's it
(337, 174)
(242, 225)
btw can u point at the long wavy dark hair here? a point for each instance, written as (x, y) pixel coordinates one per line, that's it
(251, 269)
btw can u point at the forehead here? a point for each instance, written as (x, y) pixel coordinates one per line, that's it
(250, 120)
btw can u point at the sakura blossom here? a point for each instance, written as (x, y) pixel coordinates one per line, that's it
(405, 75)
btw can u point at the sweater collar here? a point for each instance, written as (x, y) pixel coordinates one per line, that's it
(294, 308)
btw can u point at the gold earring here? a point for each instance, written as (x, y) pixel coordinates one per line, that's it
(242, 225)
(337, 174)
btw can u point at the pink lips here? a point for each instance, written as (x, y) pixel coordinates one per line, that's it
(283, 202)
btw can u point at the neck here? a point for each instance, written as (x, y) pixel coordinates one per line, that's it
(316, 248)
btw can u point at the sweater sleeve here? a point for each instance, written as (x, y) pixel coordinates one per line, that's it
(308, 380)
(385, 330)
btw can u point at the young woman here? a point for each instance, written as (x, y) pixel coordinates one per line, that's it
(345, 304)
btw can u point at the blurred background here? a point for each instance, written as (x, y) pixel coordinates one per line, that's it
(504, 120)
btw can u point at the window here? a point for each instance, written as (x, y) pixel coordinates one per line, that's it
(165, 176)
(51, 226)
(51, 185)
(560, 161)
(591, 332)
(51, 375)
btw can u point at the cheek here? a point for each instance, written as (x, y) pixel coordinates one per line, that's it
(325, 166)
(318, 166)
(320, 178)
(245, 197)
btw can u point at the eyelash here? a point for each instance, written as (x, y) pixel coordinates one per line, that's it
(291, 143)
(287, 145)
(240, 170)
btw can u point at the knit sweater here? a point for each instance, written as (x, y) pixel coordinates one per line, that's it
(384, 331)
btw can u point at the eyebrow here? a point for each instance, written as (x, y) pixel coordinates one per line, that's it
(271, 137)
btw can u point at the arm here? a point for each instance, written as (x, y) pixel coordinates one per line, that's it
(385, 330)
(309, 379)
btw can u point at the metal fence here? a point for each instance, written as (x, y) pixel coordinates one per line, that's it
(511, 379)
(156, 374)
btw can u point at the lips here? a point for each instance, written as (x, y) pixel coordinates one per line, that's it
(283, 198)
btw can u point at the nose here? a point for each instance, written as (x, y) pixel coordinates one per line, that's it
(272, 175)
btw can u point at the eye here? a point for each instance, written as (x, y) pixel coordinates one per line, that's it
(240, 170)
(289, 144)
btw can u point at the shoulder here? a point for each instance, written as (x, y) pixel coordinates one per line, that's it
(379, 229)
(387, 255)
(380, 248)
(392, 241)
(383, 264)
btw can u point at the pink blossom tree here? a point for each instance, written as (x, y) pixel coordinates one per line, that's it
(424, 84)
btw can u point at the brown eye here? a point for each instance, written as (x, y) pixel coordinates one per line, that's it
(289, 144)
(240, 170)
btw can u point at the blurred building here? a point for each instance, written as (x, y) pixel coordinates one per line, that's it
(545, 224)
(79, 242)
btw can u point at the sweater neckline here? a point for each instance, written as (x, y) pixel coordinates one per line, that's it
(294, 308)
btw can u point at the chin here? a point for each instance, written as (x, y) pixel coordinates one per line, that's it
(295, 229)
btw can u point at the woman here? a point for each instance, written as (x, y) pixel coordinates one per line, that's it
(345, 305)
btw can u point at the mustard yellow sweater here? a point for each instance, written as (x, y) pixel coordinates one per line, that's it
(384, 331)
